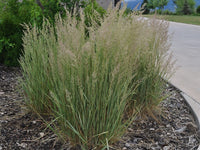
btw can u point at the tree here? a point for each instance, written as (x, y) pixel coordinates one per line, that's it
(185, 6)
(40, 4)
(152, 4)
(198, 10)
(51, 7)
(116, 2)
(162, 3)
(145, 9)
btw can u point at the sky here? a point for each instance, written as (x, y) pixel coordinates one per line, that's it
(170, 6)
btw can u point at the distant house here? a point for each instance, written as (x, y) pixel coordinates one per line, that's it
(106, 3)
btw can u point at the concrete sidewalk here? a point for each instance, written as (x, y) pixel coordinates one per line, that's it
(186, 50)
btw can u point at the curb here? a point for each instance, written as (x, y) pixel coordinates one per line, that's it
(194, 106)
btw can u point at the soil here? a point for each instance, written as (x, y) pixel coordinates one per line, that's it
(22, 130)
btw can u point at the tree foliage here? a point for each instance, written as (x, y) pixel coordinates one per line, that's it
(152, 4)
(185, 6)
(14, 13)
(145, 9)
(198, 9)
(162, 3)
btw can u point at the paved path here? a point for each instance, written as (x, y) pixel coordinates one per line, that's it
(186, 49)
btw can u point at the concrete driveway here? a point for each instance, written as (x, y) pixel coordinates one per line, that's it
(186, 49)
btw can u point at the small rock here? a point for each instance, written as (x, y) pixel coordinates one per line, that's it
(168, 133)
(130, 130)
(191, 127)
(128, 145)
(198, 134)
(22, 125)
(3, 121)
(181, 130)
(163, 141)
(192, 140)
(1, 148)
(41, 134)
(142, 121)
(166, 147)
(133, 123)
(24, 145)
(34, 122)
(179, 105)
(1, 93)
(155, 147)
(11, 114)
(146, 146)
(168, 125)
(124, 148)
(151, 129)
(135, 140)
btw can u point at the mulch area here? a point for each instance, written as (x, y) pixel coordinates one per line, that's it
(21, 129)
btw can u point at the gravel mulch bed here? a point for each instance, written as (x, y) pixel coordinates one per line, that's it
(19, 129)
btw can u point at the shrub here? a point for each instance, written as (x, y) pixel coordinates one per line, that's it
(167, 12)
(92, 7)
(88, 83)
(15, 13)
(198, 10)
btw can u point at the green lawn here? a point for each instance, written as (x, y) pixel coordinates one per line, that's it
(183, 19)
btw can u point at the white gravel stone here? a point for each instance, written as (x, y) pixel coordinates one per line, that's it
(41, 134)
(166, 147)
(181, 130)
(128, 145)
(24, 145)
(1, 93)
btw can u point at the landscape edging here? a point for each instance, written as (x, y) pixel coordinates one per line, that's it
(194, 109)
(194, 106)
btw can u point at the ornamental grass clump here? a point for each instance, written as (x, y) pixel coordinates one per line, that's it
(153, 67)
(37, 74)
(89, 81)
